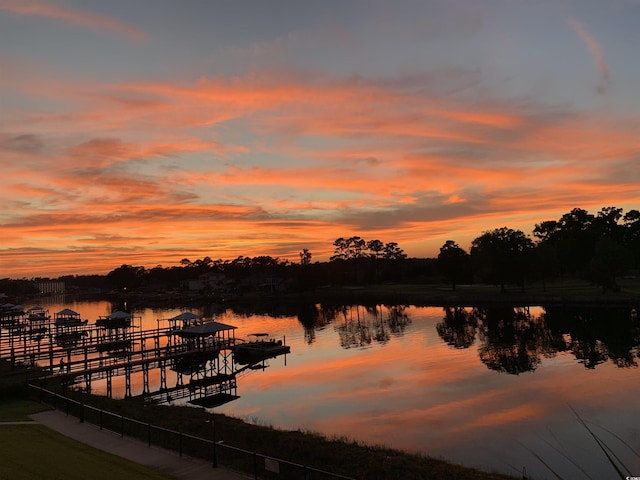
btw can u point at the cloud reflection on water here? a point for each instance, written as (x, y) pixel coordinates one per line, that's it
(414, 391)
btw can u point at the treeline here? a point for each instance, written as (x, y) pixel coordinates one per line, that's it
(599, 248)
(355, 260)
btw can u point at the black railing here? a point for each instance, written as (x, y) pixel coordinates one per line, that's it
(261, 466)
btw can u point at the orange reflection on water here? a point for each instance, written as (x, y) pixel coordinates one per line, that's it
(399, 384)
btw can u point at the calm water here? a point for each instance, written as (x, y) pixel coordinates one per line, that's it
(484, 388)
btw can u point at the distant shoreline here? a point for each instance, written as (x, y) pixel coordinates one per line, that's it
(397, 294)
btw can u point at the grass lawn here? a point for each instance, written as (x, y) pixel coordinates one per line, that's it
(16, 410)
(34, 451)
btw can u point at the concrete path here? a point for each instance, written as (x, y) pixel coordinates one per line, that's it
(166, 461)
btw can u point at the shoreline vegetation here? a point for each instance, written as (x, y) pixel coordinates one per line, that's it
(340, 455)
(563, 292)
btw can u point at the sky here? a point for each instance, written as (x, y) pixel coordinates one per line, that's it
(143, 132)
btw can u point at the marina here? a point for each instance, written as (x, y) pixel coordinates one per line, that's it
(197, 354)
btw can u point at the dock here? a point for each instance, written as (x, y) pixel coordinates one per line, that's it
(195, 359)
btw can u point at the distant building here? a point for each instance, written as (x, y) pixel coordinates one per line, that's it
(214, 282)
(50, 286)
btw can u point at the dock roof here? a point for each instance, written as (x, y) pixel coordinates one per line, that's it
(206, 329)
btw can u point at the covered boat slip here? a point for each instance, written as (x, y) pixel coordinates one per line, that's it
(194, 358)
(68, 318)
(197, 359)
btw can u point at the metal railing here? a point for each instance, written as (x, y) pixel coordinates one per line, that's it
(261, 466)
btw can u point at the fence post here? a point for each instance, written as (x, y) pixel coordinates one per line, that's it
(255, 465)
(214, 450)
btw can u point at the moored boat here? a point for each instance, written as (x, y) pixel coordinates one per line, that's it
(260, 347)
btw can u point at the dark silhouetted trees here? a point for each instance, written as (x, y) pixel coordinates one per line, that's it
(454, 263)
(631, 235)
(356, 260)
(305, 257)
(356, 247)
(502, 255)
(598, 248)
(126, 277)
(393, 252)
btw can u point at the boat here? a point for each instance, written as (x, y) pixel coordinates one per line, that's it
(116, 320)
(38, 314)
(68, 318)
(260, 347)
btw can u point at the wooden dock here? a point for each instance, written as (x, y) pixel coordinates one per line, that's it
(200, 360)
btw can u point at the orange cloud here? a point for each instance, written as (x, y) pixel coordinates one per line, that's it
(269, 164)
(77, 17)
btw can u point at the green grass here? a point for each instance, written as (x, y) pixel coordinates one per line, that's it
(16, 410)
(34, 451)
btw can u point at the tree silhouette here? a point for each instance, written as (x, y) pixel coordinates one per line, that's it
(502, 255)
(305, 257)
(610, 260)
(631, 235)
(376, 247)
(454, 263)
(573, 238)
(393, 252)
(126, 277)
(597, 248)
(349, 248)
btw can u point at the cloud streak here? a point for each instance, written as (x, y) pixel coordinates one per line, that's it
(73, 16)
(596, 51)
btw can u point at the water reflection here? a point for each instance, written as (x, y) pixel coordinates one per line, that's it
(596, 335)
(427, 379)
(513, 340)
(510, 340)
(458, 327)
(357, 325)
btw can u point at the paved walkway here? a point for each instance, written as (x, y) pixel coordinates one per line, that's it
(166, 461)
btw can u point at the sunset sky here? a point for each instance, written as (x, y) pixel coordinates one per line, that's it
(145, 131)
